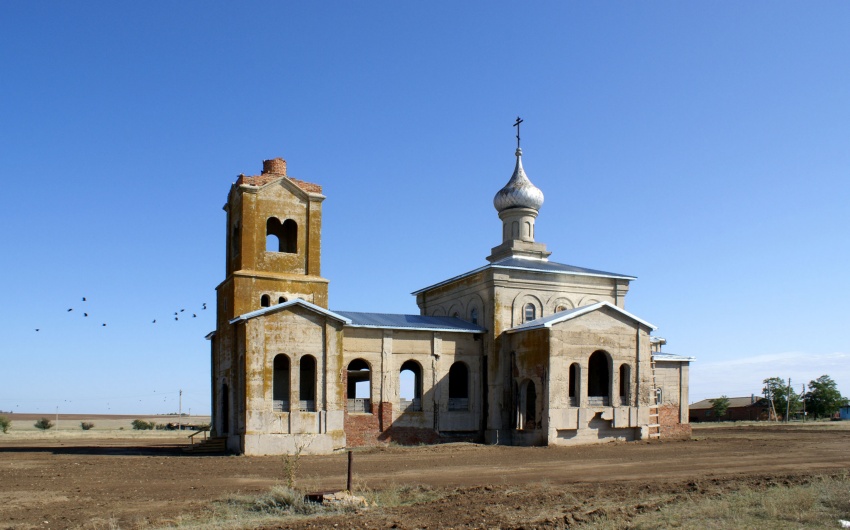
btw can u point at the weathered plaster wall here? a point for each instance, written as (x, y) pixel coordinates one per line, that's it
(296, 333)
(386, 351)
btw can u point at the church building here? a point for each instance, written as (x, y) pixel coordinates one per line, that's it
(520, 351)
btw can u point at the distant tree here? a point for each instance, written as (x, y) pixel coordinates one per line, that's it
(823, 398)
(86, 425)
(5, 423)
(784, 398)
(719, 406)
(142, 425)
(43, 424)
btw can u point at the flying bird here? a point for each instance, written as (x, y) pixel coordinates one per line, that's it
(37, 329)
(85, 314)
(182, 310)
(194, 315)
(71, 309)
(154, 321)
(175, 318)
(104, 324)
(84, 299)
(205, 305)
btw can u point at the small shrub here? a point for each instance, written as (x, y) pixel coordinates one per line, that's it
(86, 425)
(43, 424)
(5, 423)
(142, 425)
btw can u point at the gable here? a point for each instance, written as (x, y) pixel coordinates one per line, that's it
(613, 312)
(601, 320)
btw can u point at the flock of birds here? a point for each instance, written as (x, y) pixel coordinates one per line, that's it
(176, 314)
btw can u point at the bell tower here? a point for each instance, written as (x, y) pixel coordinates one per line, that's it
(274, 226)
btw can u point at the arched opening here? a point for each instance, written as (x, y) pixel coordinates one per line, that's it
(526, 406)
(289, 239)
(307, 384)
(280, 383)
(359, 386)
(265, 301)
(625, 384)
(458, 387)
(574, 381)
(530, 406)
(598, 380)
(410, 387)
(473, 315)
(515, 230)
(225, 409)
(234, 240)
(273, 234)
(281, 299)
(530, 312)
(281, 237)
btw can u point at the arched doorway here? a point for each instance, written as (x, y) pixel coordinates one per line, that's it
(359, 387)
(598, 380)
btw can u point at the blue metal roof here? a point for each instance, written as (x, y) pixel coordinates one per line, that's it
(537, 265)
(409, 322)
(662, 356)
(295, 301)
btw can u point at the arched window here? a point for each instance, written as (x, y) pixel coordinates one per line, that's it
(458, 387)
(289, 242)
(281, 237)
(574, 381)
(225, 409)
(234, 239)
(410, 387)
(515, 230)
(560, 308)
(359, 387)
(529, 406)
(281, 300)
(307, 388)
(473, 315)
(625, 384)
(530, 312)
(280, 385)
(598, 379)
(456, 314)
(265, 301)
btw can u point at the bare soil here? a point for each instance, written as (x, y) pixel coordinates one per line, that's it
(102, 482)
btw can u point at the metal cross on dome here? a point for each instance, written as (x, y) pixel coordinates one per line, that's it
(518, 121)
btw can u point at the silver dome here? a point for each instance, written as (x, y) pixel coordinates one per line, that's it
(519, 192)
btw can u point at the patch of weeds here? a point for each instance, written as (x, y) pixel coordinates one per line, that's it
(396, 495)
(816, 504)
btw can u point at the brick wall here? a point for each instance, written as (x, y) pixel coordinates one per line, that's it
(671, 429)
(364, 430)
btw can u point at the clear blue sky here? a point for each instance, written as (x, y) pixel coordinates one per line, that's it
(702, 147)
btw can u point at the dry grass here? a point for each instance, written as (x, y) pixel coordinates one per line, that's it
(818, 504)
(23, 429)
(282, 504)
(794, 424)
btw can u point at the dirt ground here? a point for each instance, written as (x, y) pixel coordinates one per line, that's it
(107, 482)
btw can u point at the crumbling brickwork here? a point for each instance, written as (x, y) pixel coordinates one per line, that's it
(671, 429)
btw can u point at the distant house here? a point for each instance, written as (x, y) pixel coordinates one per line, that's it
(844, 412)
(750, 408)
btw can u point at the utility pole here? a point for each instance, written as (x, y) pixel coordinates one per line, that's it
(803, 395)
(180, 409)
(57, 417)
(788, 402)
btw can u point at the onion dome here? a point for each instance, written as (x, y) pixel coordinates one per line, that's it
(519, 192)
